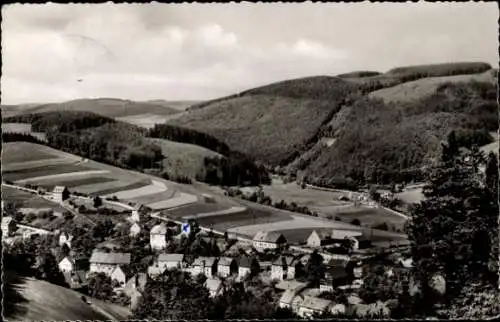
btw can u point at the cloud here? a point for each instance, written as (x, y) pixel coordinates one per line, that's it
(194, 51)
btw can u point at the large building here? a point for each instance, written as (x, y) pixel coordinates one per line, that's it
(268, 240)
(59, 193)
(101, 262)
(204, 265)
(323, 237)
(164, 262)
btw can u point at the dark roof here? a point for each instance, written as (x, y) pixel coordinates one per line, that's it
(280, 261)
(337, 272)
(170, 257)
(245, 261)
(225, 261)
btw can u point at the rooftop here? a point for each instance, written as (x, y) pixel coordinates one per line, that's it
(170, 257)
(204, 261)
(110, 258)
(160, 229)
(316, 303)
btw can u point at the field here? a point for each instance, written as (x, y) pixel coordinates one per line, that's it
(90, 177)
(32, 300)
(146, 120)
(327, 204)
(184, 159)
(411, 196)
(25, 199)
(414, 90)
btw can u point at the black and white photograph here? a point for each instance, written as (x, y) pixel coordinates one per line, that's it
(250, 161)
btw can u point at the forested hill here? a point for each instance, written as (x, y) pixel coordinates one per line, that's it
(121, 144)
(362, 126)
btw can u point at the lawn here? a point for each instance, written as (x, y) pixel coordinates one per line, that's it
(152, 198)
(371, 216)
(48, 170)
(411, 196)
(139, 192)
(193, 209)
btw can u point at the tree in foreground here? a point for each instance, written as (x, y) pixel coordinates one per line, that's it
(450, 231)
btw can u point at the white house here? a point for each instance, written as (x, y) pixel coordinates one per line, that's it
(135, 229)
(67, 264)
(227, 266)
(58, 193)
(158, 237)
(101, 262)
(121, 274)
(268, 240)
(324, 237)
(204, 265)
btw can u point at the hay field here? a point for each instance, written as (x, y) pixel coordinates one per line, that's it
(139, 192)
(291, 192)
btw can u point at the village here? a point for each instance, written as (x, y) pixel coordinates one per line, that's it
(268, 256)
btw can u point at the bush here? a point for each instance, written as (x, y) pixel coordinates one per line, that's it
(356, 222)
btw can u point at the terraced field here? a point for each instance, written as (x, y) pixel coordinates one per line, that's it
(46, 167)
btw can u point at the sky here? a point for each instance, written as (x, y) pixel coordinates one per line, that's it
(59, 52)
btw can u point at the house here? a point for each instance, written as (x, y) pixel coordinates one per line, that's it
(8, 226)
(312, 305)
(65, 239)
(336, 274)
(69, 264)
(135, 229)
(244, 266)
(60, 193)
(215, 286)
(279, 268)
(319, 238)
(204, 265)
(268, 240)
(227, 266)
(169, 261)
(138, 210)
(135, 287)
(102, 262)
(158, 237)
(121, 274)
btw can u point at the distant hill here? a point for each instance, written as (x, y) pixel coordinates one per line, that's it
(360, 126)
(110, 107)
(177, 105)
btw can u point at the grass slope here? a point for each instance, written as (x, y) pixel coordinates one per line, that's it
(38, 300)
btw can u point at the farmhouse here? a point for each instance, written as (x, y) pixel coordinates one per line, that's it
(158, 237)
(320, 238)
(268, 240)
(135, 230)
(8, 226)
(101, 262)
(204, 265)
(60, 193)
(227, 266)
(169, 261)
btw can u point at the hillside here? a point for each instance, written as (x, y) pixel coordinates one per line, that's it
(364, 126)
(28, 299)
(110, 107)
(194, 156)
